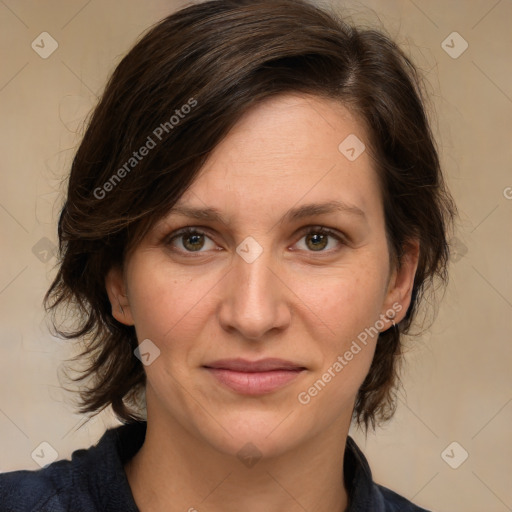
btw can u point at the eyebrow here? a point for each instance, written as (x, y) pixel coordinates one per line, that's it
(293, 214)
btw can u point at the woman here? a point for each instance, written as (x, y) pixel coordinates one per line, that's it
(252, 218)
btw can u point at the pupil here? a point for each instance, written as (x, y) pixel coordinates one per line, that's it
(318, 238)
(195, 241)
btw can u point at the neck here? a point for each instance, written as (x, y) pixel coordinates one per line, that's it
(174, 471)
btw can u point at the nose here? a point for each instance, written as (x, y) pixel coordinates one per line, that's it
(255, 302)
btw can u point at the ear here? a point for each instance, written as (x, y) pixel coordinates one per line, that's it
(401, 281)
(116, 290)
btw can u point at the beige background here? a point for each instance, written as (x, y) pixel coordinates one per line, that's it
(458, 375)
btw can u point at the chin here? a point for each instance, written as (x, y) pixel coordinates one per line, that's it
(253, 434)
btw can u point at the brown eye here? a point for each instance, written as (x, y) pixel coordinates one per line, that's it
(189, 240)
(193, 242)
(317, 241)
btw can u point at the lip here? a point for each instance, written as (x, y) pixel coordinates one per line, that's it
(254, 377)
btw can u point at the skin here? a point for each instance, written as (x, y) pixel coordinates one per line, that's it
(294, 302)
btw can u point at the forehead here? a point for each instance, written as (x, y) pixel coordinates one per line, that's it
(287, 150)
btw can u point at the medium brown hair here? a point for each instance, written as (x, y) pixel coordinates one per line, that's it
(221, 58)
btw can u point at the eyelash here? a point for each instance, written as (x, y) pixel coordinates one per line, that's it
(191, 230)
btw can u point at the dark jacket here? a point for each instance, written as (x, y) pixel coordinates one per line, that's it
(94, 480)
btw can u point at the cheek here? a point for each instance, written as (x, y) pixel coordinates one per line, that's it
(346, 349)
(344, 307)
(345, 301)
(164, 300)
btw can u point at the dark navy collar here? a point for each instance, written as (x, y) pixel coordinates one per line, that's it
(363, 493)
(94, 480)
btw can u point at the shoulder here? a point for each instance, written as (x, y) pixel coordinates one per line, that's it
(38, 490)
(93, 480)
(364, 493)
(393, 502)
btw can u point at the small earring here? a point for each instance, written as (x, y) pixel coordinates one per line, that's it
(392, 318)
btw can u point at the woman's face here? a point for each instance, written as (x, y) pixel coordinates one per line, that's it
(250, 284)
